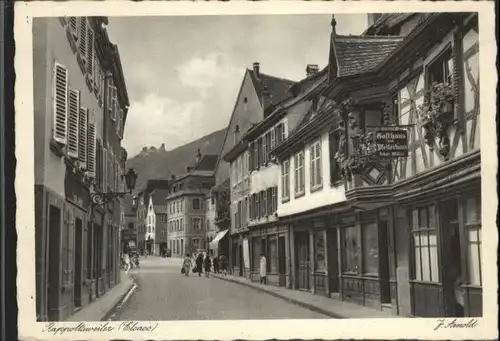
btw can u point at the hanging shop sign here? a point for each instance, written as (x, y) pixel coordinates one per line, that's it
(390, 142)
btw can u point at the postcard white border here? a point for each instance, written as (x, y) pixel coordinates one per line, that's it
(245, 329)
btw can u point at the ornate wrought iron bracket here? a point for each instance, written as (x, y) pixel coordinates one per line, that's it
(101, 199)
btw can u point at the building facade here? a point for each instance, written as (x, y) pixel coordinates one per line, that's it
(142, 213)
(157, 221)
(129, 233)
(397, 227)
(186, 207)
(220, 210)
(78, 89)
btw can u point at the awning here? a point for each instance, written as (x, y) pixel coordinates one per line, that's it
(217, 238)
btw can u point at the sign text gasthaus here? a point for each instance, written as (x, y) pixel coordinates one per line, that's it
(391, 142)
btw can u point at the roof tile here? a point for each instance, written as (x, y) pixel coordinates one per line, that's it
(277, 87)
(360, 54)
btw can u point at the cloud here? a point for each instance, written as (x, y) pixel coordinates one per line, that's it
(156, 120)
(205, 73)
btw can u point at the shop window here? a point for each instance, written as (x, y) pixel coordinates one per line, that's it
(351, 250)
(273, 256)
(370, 249)
(474, 241)
(426, 263)
(320, 255)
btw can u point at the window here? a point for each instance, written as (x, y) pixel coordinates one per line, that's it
(246, 205)
(260, 156)
(279, 132)
(196, 204)
(333, 144)
(274, 199)
(370, 248)
(423, 224)
(273, 138)
(299, 173)
(351, 250)
(320, 252)
(196, 224)
(268, 148)
(474, 241)
(258, 212)
(270, 203)
(285, 180)
(315, 155)
(441, 70)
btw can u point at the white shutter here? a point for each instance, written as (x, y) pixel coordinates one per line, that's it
(97, 76)
(73, 24)
(91, 144)
(90, 53)
(74, 108)
(82, 137)
(83, 38)
(60, 97)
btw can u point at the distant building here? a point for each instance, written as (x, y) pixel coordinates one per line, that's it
(129, 232)
(157, 222)
(186, 207)
(218, 218)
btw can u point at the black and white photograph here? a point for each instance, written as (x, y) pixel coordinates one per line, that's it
(310, 168)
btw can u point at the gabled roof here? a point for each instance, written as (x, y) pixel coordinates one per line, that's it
(277, 87)
(361, 54)
(205, 167)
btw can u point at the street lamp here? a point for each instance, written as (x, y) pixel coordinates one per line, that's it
(100, 199)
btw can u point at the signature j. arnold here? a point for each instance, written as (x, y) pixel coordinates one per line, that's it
(455, 323)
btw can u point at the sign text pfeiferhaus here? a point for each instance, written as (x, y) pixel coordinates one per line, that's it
(391, 142)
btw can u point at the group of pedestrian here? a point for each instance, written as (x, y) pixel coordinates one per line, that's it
(129, 260)
(204, 263)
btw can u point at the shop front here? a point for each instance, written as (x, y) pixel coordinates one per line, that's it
(367, 271)
(272, 242)
(444, 250)
(219, 244)
(239, 261)
(313, 244)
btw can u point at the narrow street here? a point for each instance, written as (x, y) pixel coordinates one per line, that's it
(164, 294)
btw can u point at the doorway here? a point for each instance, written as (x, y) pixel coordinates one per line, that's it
(78, 262)
(333, 260)
(451, 258)
(385, 289)
(303, 266)
(282, 261)
(54, 262)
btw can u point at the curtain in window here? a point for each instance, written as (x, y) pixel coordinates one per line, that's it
(370, 248)
(320, 252)
(351, 250)
(273, 255)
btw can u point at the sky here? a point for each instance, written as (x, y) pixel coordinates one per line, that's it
(183, 72)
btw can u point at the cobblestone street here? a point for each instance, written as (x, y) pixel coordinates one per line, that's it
(164, 294)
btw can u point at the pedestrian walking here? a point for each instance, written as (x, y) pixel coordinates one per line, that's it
(223, 264)
(263, 269)
(199, 264)
(208, 265)
(186, 265)
(215, 261)
(126, 260)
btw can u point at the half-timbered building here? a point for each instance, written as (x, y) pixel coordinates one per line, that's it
(403, 121)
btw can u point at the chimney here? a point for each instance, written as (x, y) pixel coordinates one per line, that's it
(236, 134)
(198, 156)
(189, 169)
(256, 69)
(173, 177)
(162, 147)
(312, 69)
